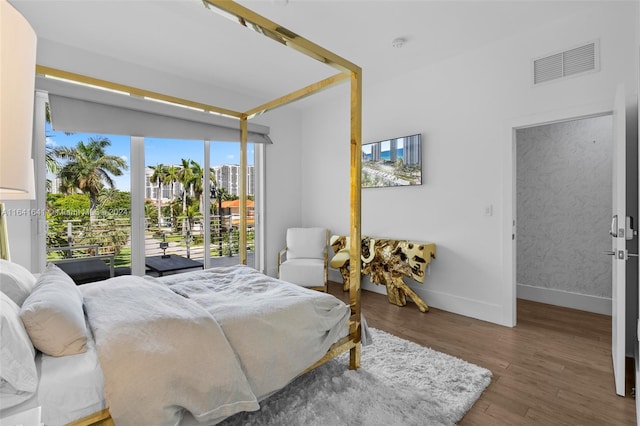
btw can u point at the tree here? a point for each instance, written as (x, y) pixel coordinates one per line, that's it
(88, 169)
(197, 182)
(159, 176)
(51, 162)
(115, 202)
(68, 209)
(185, 177)
(171, 178)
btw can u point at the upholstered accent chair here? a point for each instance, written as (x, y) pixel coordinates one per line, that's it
(304, 259)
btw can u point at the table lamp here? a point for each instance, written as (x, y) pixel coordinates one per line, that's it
(17, 85)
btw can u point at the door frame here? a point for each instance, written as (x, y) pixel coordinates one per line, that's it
(509, 312)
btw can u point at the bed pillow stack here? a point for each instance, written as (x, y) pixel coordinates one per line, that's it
(18, 373)
(53, 314)
(15, 281)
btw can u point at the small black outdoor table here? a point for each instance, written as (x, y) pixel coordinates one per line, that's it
(84, 270)
(170, 263)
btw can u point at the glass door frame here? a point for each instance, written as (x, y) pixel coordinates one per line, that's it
(137, 188)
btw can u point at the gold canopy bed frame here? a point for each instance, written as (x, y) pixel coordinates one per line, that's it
(347, 71)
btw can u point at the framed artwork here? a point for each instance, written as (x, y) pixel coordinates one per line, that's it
(392, 162)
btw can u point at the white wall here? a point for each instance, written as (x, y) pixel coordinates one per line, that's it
(462, 107)
(283, 185)
(564, 178)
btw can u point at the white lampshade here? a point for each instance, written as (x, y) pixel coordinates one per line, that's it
(30, 186)
(17, 83)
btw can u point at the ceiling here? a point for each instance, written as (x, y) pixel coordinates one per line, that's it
(183, 38)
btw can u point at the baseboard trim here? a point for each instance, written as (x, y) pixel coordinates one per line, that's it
(583, 302)
(444, 301)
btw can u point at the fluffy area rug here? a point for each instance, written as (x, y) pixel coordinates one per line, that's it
(399, 383)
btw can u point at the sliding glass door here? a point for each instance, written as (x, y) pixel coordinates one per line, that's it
(192, 206)
(133, 198)
(225, 203)
(174, 198)
(88, 198)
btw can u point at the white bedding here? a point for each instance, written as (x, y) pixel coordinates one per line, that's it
(69, 387)
(278, 329)
(265, 332)
(162, 355)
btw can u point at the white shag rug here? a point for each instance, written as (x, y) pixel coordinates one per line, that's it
(399, 383)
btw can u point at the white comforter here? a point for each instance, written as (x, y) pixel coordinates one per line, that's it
(278, 329)
(206, 344)
(162, 354)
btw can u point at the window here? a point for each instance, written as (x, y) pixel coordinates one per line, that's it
(174, 198)
(225, 193)
(88, 198)
(180, 206)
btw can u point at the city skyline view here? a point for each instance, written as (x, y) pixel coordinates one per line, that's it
(156, 151)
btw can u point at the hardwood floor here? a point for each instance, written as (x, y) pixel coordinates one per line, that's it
(553, 368)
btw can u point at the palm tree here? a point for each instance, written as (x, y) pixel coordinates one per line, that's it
(88, 169)
(51, 162)
(185, 177)
(219, 194)
(50, 159)
(171, 178)
(159, 176)
(197, 182)
(192, 212)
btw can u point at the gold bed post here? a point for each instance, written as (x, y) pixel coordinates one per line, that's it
(242, 226)
(354, 261)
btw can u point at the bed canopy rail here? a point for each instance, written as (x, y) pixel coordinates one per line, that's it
(347, 72)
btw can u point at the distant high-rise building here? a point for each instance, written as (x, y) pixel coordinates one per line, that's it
(228, 178)
(393, 150)
(151, 188)
(55, 185)
(376, 151)
(412, 150)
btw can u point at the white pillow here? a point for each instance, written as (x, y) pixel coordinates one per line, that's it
(53, 314)
(15, 281)
(18, 373)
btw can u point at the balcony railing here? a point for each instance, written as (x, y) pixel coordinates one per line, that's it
(186, 238)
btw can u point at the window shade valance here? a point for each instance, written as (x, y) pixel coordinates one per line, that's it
(77, 108)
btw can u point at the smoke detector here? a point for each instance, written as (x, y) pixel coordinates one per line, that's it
(398, 42)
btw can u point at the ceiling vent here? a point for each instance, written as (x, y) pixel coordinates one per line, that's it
(579, 60)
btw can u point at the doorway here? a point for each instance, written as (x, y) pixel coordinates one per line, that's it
(624, 205)
(563, 211)
(509, 312)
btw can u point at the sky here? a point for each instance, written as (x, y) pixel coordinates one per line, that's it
(157, 151)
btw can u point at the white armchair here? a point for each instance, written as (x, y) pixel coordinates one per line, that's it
(304, 260)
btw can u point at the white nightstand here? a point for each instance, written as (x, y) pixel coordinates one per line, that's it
(31, 417)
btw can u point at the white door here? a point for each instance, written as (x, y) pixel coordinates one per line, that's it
(637, 341)
(618, 242)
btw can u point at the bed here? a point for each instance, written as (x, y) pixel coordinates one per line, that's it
(91, 347)
(190, 348)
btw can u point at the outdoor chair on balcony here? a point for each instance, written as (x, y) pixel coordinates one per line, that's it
(304, 260)
(85, 269)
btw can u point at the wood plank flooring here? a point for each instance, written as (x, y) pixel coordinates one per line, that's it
(553, 368)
